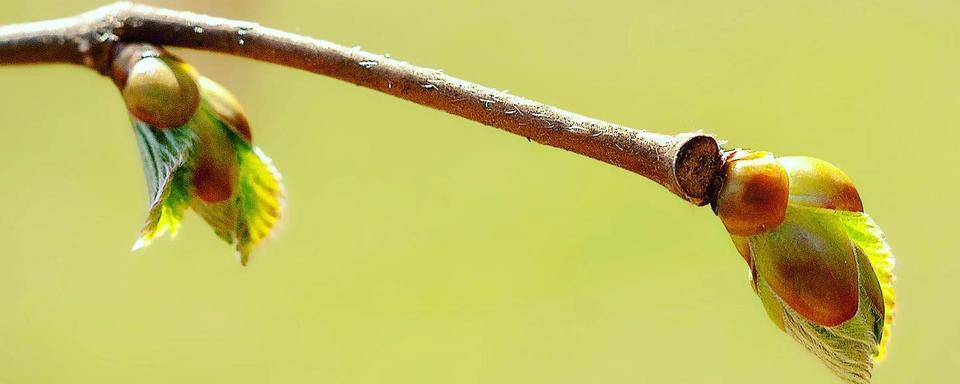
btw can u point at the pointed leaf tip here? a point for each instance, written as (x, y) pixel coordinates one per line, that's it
(139, 244)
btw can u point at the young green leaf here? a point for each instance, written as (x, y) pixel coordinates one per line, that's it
(163, 154)
(871, 241)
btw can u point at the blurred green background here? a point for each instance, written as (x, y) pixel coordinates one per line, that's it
(420, 247)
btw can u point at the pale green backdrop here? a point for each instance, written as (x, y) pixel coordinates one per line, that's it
(423, 248)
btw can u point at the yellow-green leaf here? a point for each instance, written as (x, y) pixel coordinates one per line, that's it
(261, 198)
(243, 214)
(871, 240)
(164, 154)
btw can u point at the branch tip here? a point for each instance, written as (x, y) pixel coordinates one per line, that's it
(697, 164)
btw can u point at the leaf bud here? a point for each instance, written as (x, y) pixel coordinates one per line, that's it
(754, 194)
(157, 87)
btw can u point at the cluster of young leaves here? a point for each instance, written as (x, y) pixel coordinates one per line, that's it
(820, 265)
(207, 164)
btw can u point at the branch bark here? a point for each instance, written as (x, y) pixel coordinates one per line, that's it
(686, 164)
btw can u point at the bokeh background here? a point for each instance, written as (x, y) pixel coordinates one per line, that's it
(423, 248)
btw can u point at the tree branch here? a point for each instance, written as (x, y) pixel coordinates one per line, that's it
(685, 164)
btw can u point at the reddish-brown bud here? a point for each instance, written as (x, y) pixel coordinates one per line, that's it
(226, 106)
(753, 198)
(810, 263)
(216, 175)
(214, 183)
(158, 88)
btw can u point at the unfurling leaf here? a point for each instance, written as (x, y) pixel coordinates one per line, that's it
(207, 164)
(163, 153)
(872, 245)
(823, 274)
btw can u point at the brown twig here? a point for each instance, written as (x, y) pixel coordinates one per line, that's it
(686, 164)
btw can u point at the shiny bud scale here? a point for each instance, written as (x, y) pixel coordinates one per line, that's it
(753, 198)
(158, 88)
